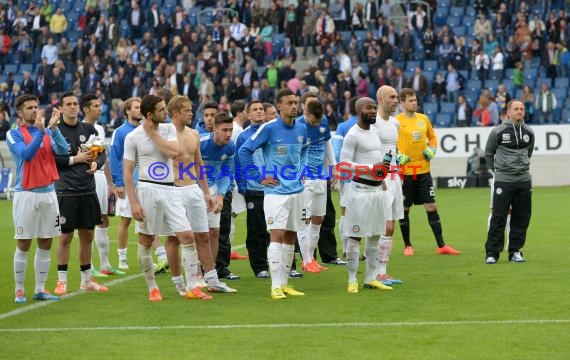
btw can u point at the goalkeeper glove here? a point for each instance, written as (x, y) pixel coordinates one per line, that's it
(429, 153)
(403, 158)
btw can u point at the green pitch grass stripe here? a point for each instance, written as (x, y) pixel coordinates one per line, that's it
(40, 304)
(278, 326)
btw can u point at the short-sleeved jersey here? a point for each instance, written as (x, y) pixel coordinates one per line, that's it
(218, 162)
(316, 137)
(339, 134)
(117, 151)
(153, 165)
(284, 150)
(387, 131)
(415, 134)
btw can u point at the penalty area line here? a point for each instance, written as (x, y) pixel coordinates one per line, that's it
(279, 326)
(40, 304)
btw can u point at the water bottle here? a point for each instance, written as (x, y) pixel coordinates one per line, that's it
(111, 201)
(387, 159)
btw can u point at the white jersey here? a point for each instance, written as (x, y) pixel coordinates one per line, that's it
(361, 148)
(100, 138)
(387, 131)
(236, 131)
(147, 156)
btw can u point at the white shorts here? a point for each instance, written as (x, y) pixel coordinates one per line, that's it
(123, 207)
(284, 212)
(196, 209)
(395, 188)
(102, 191)
(366, 209)
(238, 201)
(344, 186)
(315, 197)
(36, 215)
(163, 209)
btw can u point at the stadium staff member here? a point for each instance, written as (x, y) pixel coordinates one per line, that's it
(416, 148)
(508, 151)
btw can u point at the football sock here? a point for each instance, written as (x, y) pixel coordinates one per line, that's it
(384, 251)
(371, 252)
(405, 228)
(62, 273)
(122, 254)
(41, 266)
(314, 232)
(305, 246)
(435, 224)
(160, 253)
(342, 237)
(85, 273)
(145, 260)
(102, 242)
(287, 253)
(20, 265)
(352, 250)
(190, 264)
(274, 259)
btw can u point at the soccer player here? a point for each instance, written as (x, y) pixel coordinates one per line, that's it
(366, 199)
(196, 199)
(155, 203)
(337, 141)
(315, 192)
(417, 144)
(132, 112)
(91, 108)
(386, 128)
(284, 146)
(76, 194)
(508, 152)
(209, 112)
(257, 238)
(218, 151)
(35, 209)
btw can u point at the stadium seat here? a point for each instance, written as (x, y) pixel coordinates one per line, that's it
(518, 93)
(509, 73)
(509, 84)
(562, 82)
(447, 107)
(560, 93)
(430, 65)
(474, 85)
(443, 120)
(430, 109)
(454, 21)
(459, 30)
(471, 97)
(444, 3)
(492, 85)
(364, 67)
(456, 11)
(469, 22)
(411, 66)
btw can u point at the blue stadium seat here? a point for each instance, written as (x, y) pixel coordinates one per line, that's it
(430, 65)
(447, 107)
(560, 93)
(509, 84)
(443, 120)
(518, 93)
(364, 67)
(471, 97)
(454, 21)
(459, 31)
(411, 66)
(456, 11)
(474, 85)
(530, 74)
(430, 109)
(469, 22)
(470, 11)
(26, 67)
(562, 82)
(509, 73)
(492, 85)
(444, 3)
(565, 117)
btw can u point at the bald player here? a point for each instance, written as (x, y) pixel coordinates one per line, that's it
(366, 200)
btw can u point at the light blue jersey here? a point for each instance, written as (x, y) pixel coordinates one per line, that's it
(243, 181)
(201, 129)
(22, 152)
(317, 138)
(117, 151)
(340, 133)
(285, 156)
(218, 163)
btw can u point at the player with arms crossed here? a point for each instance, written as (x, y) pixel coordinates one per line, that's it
(417, 143)
(35, 210)
(155, 203)
(284, 145)
(366, 203)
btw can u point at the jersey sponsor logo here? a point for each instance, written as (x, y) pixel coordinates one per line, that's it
(507, 137)
(416, 135)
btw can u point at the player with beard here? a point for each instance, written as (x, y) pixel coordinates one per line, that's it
(366, 203)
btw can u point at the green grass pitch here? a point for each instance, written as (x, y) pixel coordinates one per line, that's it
(449, 307)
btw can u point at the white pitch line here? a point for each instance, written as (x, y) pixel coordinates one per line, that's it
(40, 304)
(279, 326)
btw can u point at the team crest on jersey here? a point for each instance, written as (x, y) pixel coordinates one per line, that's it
(322, 130)
(526, 138)
(269, 220)
(250, 205)
(300, 139)
(82, 138)
(355, 228)
(499, 191)
(421, 124)
(20, 230)
(224, 157)
(62, 219)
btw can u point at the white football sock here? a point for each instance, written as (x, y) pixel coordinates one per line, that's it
(211, 277)
(314, 234)
(122, 254)
(342, 237)
(102, 242)
(287, 252)
(232, 229)
(305, 246)
(352, 252)
(190, 264)
(147, 266)
(384, 251)
(41, 267)
(371, 253)
(86, 276)
(274, 258)
(62, 276)
(160, 253)
(20, 266)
